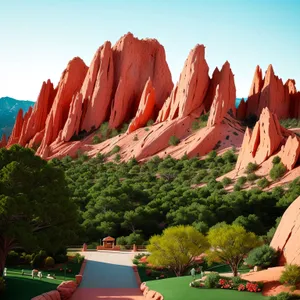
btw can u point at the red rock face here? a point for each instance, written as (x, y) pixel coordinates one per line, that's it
(211, 92)
(224, 100)
(15, 135)
(270, 92)
(191, 89)
(290, 152)
(97, 88)
(146, 108)
(3, 141)
(242, 110)
(294, 98)
(286, 238)
(134, 62)
(263, 142)
(69, 84)
(254, 94)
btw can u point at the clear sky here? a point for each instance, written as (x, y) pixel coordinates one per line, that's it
(39, 37)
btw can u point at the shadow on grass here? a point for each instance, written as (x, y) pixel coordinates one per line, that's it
(26, 288)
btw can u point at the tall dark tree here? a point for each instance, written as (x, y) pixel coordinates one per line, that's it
(35, 209)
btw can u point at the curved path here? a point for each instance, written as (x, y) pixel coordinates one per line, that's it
(108, 275)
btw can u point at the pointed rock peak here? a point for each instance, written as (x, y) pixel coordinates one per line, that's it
(215, 72)
(270, 72)
(291, 85)
(3, 141)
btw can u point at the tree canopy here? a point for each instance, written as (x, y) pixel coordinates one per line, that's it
(35, 208)
(176, 248)
(230, 244)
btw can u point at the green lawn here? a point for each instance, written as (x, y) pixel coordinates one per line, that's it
(178, 288)
(24, 287)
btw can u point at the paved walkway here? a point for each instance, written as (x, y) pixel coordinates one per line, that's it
(108, 275)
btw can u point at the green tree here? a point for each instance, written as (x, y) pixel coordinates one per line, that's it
(290, 275)
(262, 256)
(230, 244)
(176, 248)
(277, 171)
(35, 209)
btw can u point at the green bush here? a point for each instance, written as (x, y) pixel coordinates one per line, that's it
(49, 262)
(115, 149)
(78, 259)
(284, 296)
(212, 280)
(121, 240)
(251, 167)
(290, 275)
(276, 160)
(13, 258)
(60, 258)
(277, 171)
(262, 256)
(150, 123)
(174, 140)
(92, 246)
(251, 177)
(117, 157)
(263, 183)
(38, 261)
(135, 238)
(2, 285)
(237, 187)
(242, 180)
(226, 181)
(96, 140)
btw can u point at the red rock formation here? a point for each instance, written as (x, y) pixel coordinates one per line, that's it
(242, 110)
(254, 94)
(3, 141)
(26, 118)
(211, 92)
(37, 119)
(270, 92)
(290, 152)
(97, 88)
(286, 238)
(15, 135)
(146, 107)
(66, 289)
(263, 142)
(69, 84)
(134, 62)
(224, 100)
(190, 91)
(294, 98)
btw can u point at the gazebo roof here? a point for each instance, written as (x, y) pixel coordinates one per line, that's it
(109, 239)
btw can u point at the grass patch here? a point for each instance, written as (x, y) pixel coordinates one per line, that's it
(178, 288)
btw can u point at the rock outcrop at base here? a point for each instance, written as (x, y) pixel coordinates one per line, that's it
(268, 138)
(281, 99)
(286, 238)
(3, 141)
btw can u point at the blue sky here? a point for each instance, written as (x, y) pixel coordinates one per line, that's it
(39, 37)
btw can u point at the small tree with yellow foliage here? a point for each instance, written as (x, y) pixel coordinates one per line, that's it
(176, 248)
(230, 244)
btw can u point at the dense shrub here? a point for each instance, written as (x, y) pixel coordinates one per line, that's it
(284, 296)
(237, 187)
(290, 123)
(263, 256)
(96, 139)
(121, 240)
(212, 280)
(60, 258)
(242, 180)
(251, 167)
(174, 140)
(92, 246)
(251, 177)
(276, 160)
(135, 238)
(49, 262)
(38, 261)
(290, 275)
(226, 181)
(78, 259)
(2, 285)
(263, 183)
(277, 171)
(13, 258)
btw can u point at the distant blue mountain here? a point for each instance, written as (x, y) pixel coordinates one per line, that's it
(9, 108)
